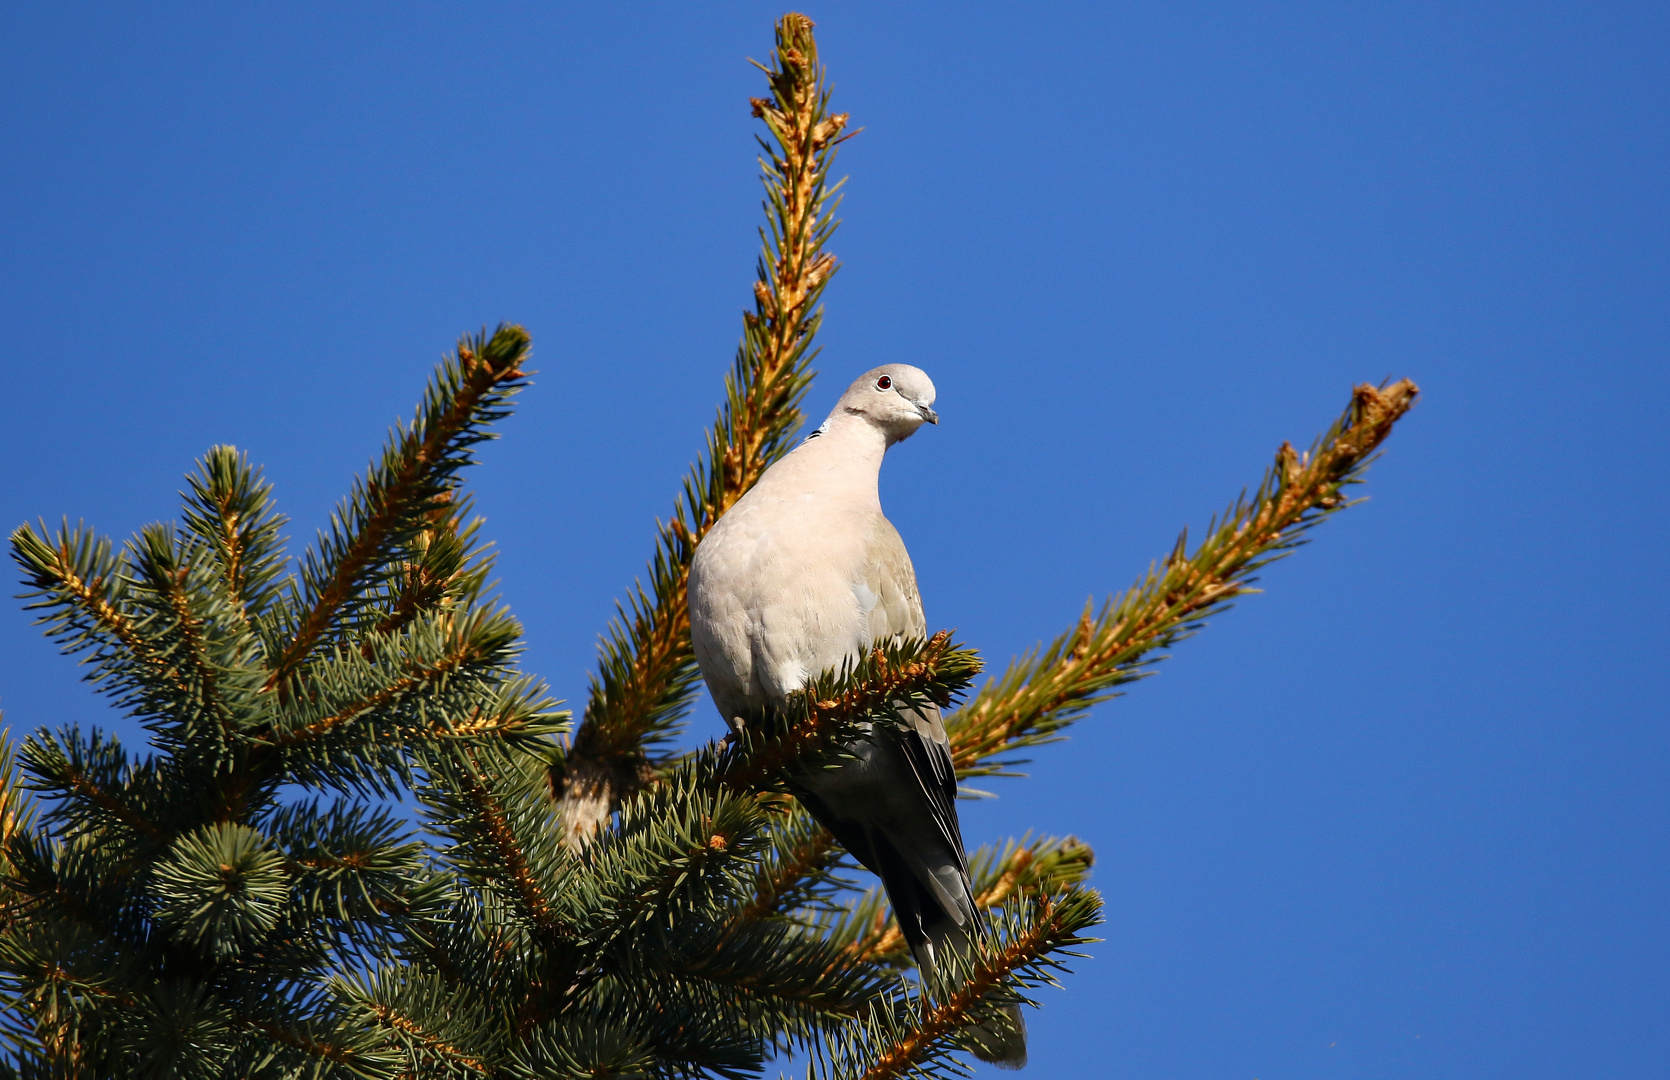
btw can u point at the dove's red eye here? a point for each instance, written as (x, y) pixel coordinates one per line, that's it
(884, 383)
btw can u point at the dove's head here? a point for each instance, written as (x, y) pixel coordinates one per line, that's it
(896, 398)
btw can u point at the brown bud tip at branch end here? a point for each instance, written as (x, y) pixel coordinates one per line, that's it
(1377, 405)
(1287, 460)
(819, 271)
(826, 131)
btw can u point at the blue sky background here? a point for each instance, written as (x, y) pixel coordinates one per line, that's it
(1404, 815)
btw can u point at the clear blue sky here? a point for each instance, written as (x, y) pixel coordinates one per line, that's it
(1403, 815)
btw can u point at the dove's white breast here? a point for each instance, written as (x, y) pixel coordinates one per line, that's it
(801, 575)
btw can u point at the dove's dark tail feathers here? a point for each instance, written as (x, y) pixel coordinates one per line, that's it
(849, 803)
(929, 931)
(1000, 1044)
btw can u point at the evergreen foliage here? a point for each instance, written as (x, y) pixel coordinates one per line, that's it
(242, 901)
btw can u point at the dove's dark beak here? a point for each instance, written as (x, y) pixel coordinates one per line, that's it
(927, 414)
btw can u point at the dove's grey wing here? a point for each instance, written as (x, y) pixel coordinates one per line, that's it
(894, 805)
(920, 858)
(899, 614)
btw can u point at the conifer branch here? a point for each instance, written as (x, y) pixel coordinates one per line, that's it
(295, 1040)
(464, 653)
(679, 846)
(90, 783)
(181, 912)
(65, 903)
(193, 644)
(495, 827)
(232, 546)
(17, 811)
(796, 973)
(81, 585)
(395, 499)
(647, 671)
(77, 783)
(164, 585)
(221, 911)
(803, 856)
(448, 570)
(17, 821)
(809, 732)
(830, 711)
(1041, 694)
(412, 1031)
(51, 1003)
(879, 940)
(447, 677)
(505, 724)
(1021, 871)
(354, 869)
(493, 807)
(912, 1033)
(1051, 927)
(229, 510)
(1029, 868)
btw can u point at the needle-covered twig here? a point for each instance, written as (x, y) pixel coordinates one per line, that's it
(1041, 694)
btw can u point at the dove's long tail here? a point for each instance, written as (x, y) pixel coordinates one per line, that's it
(876, 808)
(1003, 1045)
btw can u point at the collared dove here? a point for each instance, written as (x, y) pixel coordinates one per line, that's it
(803, 574)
